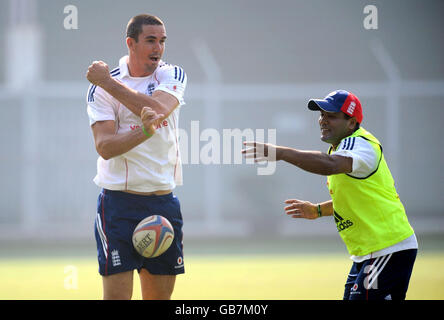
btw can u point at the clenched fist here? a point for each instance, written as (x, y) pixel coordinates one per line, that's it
(98, 73)
(149, 119)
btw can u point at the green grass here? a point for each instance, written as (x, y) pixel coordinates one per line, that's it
(298, 277)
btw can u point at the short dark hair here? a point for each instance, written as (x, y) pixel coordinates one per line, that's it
(134, 27)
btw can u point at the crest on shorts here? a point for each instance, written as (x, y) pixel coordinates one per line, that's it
(115, 258)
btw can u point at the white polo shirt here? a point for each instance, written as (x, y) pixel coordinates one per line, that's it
(154, 164)
(365, 161)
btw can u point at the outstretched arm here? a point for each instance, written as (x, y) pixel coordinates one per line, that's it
(315, 161)
(311, 161)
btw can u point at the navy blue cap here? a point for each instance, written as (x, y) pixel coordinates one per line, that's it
(337, 101)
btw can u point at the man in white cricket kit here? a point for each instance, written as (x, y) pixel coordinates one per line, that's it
(134, 115)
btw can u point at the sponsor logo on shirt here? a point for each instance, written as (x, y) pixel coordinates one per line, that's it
(341, 224)
(164, 123)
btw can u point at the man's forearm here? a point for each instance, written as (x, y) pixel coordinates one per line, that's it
(131, 98)
(115, 145)
(326, 208)
(311, 161)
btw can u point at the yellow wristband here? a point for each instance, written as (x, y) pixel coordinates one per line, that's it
(146, 133)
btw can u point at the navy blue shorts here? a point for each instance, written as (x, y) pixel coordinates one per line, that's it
(381, 278)
(118, 213)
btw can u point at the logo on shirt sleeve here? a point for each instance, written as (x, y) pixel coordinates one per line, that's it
(348, 143)
(172, 88)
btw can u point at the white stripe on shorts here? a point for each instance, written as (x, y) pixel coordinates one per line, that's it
(102, 235)
(379, 265)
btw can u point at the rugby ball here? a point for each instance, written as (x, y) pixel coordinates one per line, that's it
(153, 236)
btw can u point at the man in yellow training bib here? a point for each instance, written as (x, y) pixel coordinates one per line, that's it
(368, 213)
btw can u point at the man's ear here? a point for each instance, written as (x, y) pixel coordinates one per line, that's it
(352, 123)
(130, 42)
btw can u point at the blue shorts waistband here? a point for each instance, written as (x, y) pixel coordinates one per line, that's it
(127, 195)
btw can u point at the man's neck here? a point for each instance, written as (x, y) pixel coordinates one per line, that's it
(137, 70)
(334, 146)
